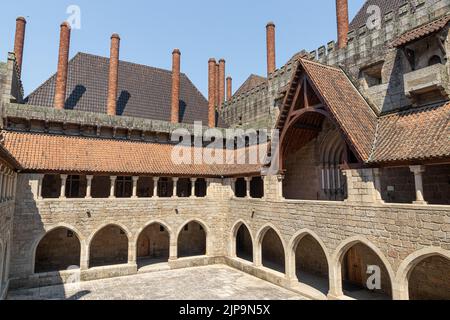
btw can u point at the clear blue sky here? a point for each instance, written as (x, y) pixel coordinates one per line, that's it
(150, 30)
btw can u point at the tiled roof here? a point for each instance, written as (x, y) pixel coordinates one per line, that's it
(346, 105)
(385, 6)
(52, 153)
(252, 82)
(144, 92)
(421, 31)
(418, 134)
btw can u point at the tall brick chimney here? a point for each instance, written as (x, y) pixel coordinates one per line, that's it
(221, 82)
(342, 22)
(217, 84)
(175, 110)
(19, 41)
(63, 65)
(212, 93)
(113, 75)
(229, 88)
(271, 62)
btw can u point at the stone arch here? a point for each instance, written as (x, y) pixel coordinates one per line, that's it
(336, 278)
(146, 253)
(234, 241)
(317, 271)
(104, 255)
(271, 257)
(199, 239)
(70, 254)
(409, 264)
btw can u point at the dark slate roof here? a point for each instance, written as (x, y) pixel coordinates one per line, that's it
(252, 82)
(385, 5)
(144, 92)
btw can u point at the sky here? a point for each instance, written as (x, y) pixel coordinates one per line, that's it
(150, 30)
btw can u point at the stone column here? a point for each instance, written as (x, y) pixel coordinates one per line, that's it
(4, 185)
(175, 187)
(135, 182)
(193, 181)
(63, 186)
(155, 187)
(14, 190)
(112, 193)
(89, 187)
(418, 171)
(39, 188)
(173, 248)
(1, 184)
(377, 183)
(248, 181)
(233, 187)
(280, 179)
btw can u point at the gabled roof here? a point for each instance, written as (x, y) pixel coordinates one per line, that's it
(417, 134)
(144, 92)
(252, 82)
(342, 100)
(73, 154)
(385, 6)
(421, 31)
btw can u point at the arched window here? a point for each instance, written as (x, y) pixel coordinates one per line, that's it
(244, 244)
(109, 247)
(192, 240)
(153, 245)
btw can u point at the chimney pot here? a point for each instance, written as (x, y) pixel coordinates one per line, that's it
(211, 93)
(175, 106)
(342, 22)
(19, 42)
(113, 75)
(63, 64)
(271, 58)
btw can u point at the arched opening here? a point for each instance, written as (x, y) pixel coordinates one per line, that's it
(244, 244)
(200, 188)
(311, 264)
(257, 188)
(57, 251)
(430, 279)
(364, 275)
(240, 188)
(272, 251)
(313, 150)
(153, 245)
(184, 188)
(109, 247)
(192, 240)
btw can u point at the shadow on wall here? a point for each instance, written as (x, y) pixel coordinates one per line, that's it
(75, 97)
(122, 102)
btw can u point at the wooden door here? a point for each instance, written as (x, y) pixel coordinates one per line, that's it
(354, 267)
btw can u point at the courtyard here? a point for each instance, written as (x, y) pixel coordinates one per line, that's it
(216, 282)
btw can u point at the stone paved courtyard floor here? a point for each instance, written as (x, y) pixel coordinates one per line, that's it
(203, 283)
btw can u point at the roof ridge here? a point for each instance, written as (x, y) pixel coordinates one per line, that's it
(320, 64)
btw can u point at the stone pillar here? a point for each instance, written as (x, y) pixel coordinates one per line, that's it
(1, 184)
(6, 185)
(89, 187)
(377, 182)
(248, 181)
(112, 193)
(173, 248)
(418, 171)
(39, 187)
(63, 186)
(233, 187)
(14, 187)
(193, 181)
(155, 187)
(279, 188)
(10, 185)
(175, 187)
(135, 182)
(5, 181)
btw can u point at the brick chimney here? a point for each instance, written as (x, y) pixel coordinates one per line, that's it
(175, 110)
(63, 65)
(342, 22)
(217, 84)
(229, 88)
(221, 82)
(113, 75)
(271, 62)
(212, 93)
(19, 41)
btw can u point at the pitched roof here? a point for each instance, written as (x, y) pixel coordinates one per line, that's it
(252, 82)
(343, 101)
(43, 152)
(385, 6)
(416, 134)
(421, 31)
(144, 92)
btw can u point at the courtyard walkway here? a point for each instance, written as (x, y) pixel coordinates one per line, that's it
(203, 283)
